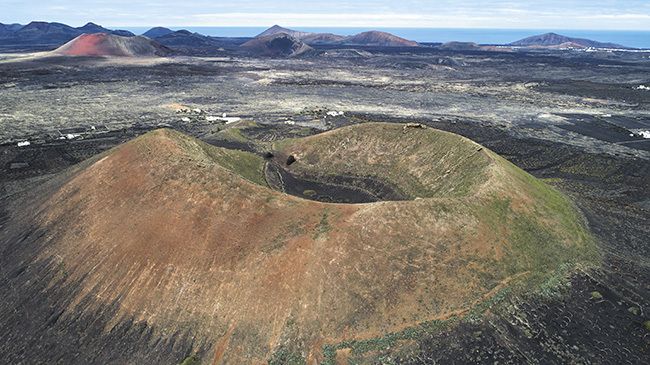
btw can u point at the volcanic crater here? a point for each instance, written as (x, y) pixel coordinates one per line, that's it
(363, 167)
(187, 238)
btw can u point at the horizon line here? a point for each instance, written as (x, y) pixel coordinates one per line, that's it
(381, 26)
(329, 26)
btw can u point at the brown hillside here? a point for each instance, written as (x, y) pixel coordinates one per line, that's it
(183, 236)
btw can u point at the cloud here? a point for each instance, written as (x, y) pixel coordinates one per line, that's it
(617, 16)
(546, 14)
(407, 20)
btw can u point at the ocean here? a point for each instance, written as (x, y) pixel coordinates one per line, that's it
(636, 39)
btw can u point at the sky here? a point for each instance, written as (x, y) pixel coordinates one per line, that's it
(539, 14)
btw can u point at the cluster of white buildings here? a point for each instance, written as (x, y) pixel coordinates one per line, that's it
(210, 118)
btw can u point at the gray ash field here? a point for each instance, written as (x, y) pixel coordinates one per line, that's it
(573, 119)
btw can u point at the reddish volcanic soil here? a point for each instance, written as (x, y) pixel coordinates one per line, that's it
(88, 45)
(102, 44)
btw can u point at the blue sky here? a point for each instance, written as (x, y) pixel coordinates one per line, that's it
(540, 14)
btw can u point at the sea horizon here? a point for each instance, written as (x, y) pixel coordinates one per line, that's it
(628, 38)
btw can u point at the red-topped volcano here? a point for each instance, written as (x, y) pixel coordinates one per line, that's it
(103, 45)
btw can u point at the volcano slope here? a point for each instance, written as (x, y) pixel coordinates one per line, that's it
(165, 248)
(109, 45)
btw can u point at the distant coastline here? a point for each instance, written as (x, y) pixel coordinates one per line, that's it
(629, 38)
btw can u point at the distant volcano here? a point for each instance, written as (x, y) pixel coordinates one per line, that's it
(371, 38)
(95, 28)
(8, 28)
(555, 40)
(322, 38)
(102, 45)
(47, 35)
(157, 32)
(280, 44)
(185, 38)
(276, 29)
(377, 38)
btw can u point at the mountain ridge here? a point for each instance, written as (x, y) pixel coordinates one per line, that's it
(52, 33)
(369, 38)
(39, 33)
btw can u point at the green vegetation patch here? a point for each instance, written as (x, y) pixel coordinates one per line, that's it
(590, 166)
(360, 347)
(596, 295)
(245, 164)
(536, 246)
(233, 134)
(284, 356)
(191, 360)
(323, 226)
(309, 193)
